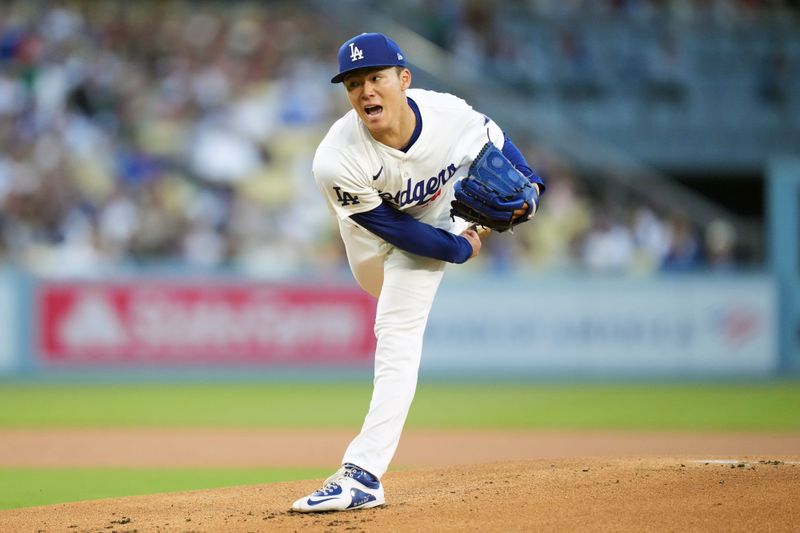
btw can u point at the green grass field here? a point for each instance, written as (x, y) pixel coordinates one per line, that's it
(767, 406)
(761, 406)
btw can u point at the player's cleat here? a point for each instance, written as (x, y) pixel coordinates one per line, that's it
(349, 488)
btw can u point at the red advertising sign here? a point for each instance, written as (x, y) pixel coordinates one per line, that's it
(175, 323)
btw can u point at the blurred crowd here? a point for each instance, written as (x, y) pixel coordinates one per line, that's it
(586, 228)
(141, 133)
(180, 134)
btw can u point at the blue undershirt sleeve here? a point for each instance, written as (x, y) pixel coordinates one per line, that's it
(518, 160)
(411, 235)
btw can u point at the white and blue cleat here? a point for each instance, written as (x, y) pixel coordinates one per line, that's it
(349, 488)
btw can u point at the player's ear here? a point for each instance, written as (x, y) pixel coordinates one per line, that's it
(405, 79)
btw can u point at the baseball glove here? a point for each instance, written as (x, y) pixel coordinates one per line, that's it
(492, 191)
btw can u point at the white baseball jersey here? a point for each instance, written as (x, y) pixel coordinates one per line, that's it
(356, 172)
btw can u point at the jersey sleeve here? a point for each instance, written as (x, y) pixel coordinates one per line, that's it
(494, 132)
(478, 130)
(411, 235)
(346, 187)
(521, 164)
(491, 131)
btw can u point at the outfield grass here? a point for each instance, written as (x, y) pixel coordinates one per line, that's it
(26, 487)
(756, 407)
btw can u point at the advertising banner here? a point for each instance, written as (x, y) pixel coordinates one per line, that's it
(175, 324)
(676, 327)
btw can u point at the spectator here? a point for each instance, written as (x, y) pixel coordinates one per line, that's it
(684, 249)
(720, 241)
(608, 247)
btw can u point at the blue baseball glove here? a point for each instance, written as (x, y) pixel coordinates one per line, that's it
(492, 191)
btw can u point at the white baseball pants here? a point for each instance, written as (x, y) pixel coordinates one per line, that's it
(405, 285)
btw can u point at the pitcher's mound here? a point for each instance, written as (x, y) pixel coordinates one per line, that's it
(675, 494)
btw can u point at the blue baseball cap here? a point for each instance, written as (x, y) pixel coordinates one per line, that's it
(368, 50)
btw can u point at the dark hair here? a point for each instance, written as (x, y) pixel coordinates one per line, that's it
(397, 68)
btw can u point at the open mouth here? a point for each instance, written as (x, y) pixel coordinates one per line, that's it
(373, 110)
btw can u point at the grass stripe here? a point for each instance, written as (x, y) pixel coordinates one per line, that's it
(767, 406)
(26, 487)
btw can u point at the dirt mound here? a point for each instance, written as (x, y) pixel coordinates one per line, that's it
(544, 495)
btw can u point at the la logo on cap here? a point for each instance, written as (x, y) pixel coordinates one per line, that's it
(368, 50)
(355, 52)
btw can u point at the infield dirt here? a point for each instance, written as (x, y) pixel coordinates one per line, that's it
(693, 490)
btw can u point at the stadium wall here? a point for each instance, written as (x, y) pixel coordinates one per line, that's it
(683, 326)
(662, 327)
(784, 253)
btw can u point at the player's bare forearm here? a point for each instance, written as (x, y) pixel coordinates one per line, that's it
(474, 234)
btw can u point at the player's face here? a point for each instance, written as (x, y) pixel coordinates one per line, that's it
(378, 96)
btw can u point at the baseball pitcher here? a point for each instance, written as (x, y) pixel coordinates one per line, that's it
(411, 176)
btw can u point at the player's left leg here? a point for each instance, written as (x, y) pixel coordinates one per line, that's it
(410, 284)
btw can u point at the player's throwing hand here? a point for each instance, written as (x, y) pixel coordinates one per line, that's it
(474, 240)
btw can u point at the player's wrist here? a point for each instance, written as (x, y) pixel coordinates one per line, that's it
(465, 250)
